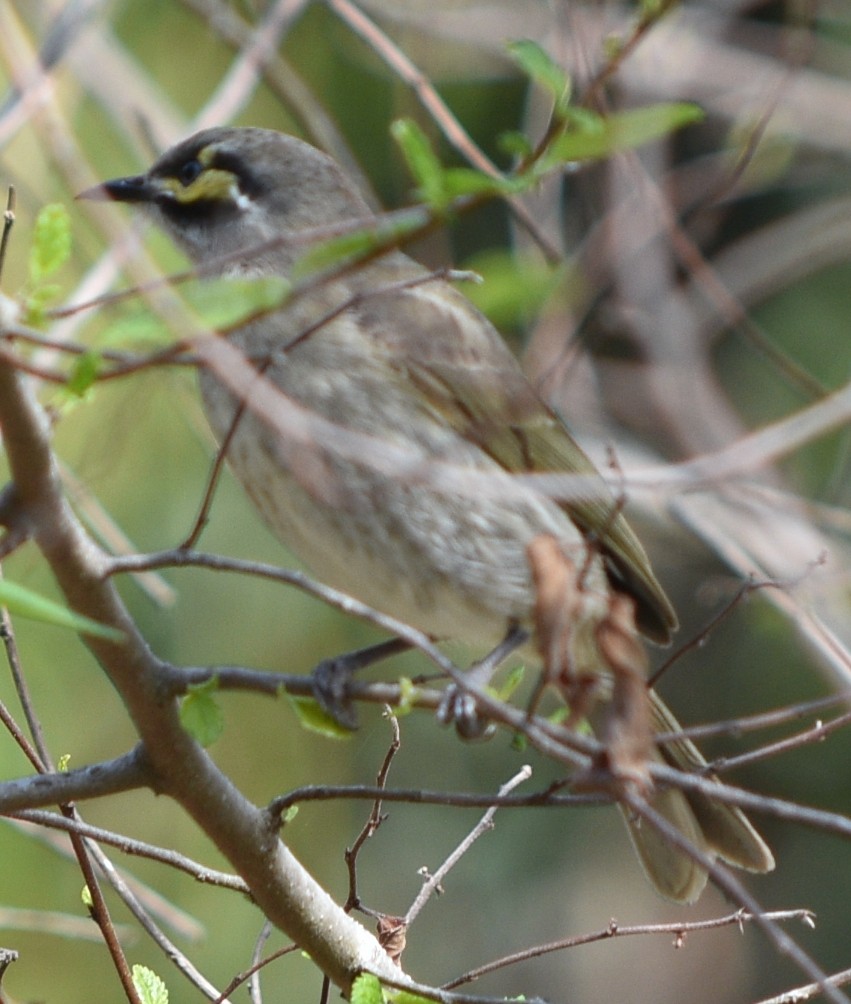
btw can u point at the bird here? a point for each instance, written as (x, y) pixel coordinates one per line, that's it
(388, 349)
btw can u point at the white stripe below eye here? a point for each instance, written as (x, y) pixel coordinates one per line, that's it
(240, 199)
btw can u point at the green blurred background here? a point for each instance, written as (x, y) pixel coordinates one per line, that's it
(129, 77)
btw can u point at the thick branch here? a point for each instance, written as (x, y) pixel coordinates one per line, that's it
(177, 766)
(94, 781)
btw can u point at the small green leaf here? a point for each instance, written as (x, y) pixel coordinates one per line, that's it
(407, 694)
(351, 248)
(37, 302)
(289, 815)
(27, 603)
(315, 719)
(51, 242)
(366, 989)
(461, 181)
(149, 986)
(586, 120)
(83, 373)
(601, 137)
(512, 682)
(559, 715)
(221, 304)
(200, 713)
(514, 287)
(406, 997)
(515, 143)
(136, 326)
(229, 301)
(62, 765)
(422, 161)
(538, 65)
(86, 897)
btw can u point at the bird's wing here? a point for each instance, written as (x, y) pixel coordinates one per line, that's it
(467, 374)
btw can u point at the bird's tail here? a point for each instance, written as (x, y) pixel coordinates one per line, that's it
(717, 828)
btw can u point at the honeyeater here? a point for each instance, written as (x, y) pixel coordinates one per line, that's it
(392, 351)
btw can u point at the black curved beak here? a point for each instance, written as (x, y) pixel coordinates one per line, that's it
(135, 189)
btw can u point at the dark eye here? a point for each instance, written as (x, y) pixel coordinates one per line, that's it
(189, 172)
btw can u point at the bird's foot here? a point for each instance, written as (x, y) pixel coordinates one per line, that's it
(331, 679)
(459, 706)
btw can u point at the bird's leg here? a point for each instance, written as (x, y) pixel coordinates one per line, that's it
(459, 705)
(330, 678)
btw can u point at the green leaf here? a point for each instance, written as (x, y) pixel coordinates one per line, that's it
(366, 989)
(228, 301)
(83, 373)
(422, 161)
(200, 713)
(86, 897)
(314, 718)
(601, 137)
(27, 603)
(64, 761)
(407, 694)
(515, 143)
(138, 326)
(514, 287)
(221, 304)
(512, 682)
(538, 65)
(586, 120)
(37, 302)
(461, 181)
(406, 997)
(51, 242)
(559, 715)
(149, 986)
(386, 232)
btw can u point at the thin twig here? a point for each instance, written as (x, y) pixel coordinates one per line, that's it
(173, 859)
(8, 223)
(246, 974)
(679, 931)
(375, 818)
(434, 881)
(810, 990)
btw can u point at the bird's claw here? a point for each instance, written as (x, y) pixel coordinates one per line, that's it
(330, 681)
(459, 708)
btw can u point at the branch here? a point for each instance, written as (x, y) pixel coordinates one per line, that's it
(108, 778)
(128, 845)
(433, 882)
(178, 766)
(614, 930)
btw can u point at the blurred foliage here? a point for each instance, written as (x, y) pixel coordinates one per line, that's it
(142, 449)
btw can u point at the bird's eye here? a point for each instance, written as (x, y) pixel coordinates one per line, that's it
(189, 172)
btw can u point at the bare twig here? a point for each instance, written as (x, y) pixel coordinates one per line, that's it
(8, 223)
(128, 845)
(808, 992)
(375, 818)
(679, 931)
(434, 880)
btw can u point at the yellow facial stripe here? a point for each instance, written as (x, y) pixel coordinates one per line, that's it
(211, 185)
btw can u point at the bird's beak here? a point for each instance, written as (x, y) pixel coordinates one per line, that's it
(135, 189)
